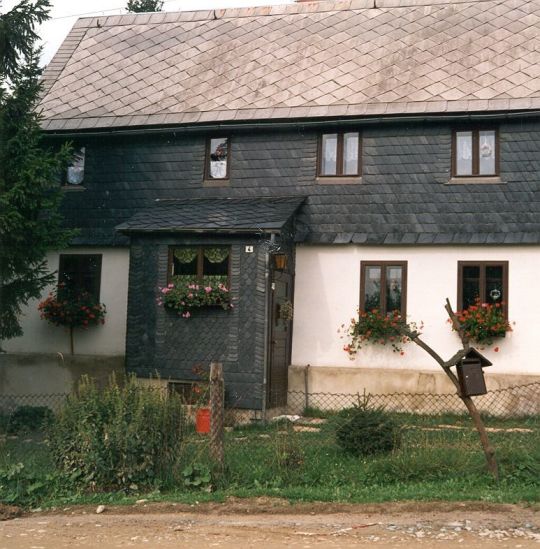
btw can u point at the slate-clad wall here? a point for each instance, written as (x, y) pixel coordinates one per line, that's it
(159, 341)
(402, 198)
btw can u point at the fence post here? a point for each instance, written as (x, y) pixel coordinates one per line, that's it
(217, 413)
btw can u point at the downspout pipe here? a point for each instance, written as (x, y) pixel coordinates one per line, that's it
(267, 297)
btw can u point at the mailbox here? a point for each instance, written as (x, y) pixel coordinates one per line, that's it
(471, 375)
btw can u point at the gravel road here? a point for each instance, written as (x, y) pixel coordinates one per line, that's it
(267, 524)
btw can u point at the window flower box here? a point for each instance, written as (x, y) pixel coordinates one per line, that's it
(184, 298)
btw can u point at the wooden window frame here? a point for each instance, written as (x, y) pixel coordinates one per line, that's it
(207, 175)
(339, 155)
(99, 261)
(65, 185)
(475, 152)
(483, 265)
(383, 265)
(200, 261)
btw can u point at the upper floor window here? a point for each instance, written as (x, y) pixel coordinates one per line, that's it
(486, 281)
(217, 158)
(475, 153)
(81, 273)
(383, 286)
(339, 154)
(208, 265)
(75, 170)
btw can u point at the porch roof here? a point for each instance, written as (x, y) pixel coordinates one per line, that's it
(225, 215)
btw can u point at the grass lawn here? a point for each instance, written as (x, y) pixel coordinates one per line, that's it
(440, 459)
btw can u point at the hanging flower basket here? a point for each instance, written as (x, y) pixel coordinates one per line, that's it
(65, 307)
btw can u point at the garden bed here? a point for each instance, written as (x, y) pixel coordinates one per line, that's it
(440, 458)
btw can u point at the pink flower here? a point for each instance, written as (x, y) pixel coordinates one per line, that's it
(171, 285)
(165, 290)
(187, 314)
(208, 289)
(190, 295)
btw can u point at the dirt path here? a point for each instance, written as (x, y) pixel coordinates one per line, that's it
(268, 524)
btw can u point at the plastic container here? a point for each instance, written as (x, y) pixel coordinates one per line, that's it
(202, 420)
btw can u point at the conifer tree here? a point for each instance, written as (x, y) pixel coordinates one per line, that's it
(140, 6)
(30, 222)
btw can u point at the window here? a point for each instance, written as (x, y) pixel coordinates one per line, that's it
(81, 273)
(383, 286)
(206, 265)
(475, 153)
(217, 158)
(75, 171)
(486, 280)
(339, 154)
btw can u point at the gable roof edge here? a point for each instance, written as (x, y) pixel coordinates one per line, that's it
(61, 58)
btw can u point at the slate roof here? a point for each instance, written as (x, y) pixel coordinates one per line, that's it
(315, 59)
(229, 215)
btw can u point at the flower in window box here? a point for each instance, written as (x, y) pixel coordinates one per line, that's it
(375, 327)
(183, 298)
(483, 322)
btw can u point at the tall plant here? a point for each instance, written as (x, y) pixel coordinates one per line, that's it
(30, 222)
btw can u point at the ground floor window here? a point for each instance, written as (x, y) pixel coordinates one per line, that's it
(80, 273)
(208, 265)
(486, 281)
(383, 286)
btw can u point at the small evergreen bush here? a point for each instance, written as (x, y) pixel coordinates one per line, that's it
(123, 437)
(29, 418)
(364, 432)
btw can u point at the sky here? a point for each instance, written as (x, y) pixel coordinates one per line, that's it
(64, 13)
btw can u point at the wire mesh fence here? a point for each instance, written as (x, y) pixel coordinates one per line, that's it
(510, 402)
(303, 444)
(517, 401)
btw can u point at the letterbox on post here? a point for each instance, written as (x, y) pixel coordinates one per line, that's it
(471, 375)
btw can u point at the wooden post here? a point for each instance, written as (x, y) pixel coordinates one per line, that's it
(217, 415)
(71, 346)
(414, 336)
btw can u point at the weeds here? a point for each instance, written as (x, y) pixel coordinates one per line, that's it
(282, 460)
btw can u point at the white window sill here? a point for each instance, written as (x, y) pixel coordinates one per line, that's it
(339, 180)
(475, 180)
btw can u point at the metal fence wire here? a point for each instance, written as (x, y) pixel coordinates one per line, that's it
(517, 401)
(510, 402)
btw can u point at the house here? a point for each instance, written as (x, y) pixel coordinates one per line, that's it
(388, 152)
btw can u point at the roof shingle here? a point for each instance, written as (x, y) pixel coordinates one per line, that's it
(247, 215)
(314, 59)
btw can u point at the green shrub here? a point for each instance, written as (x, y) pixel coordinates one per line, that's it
(364, 432)
(125, 436)
(21, 486)
(29, 418)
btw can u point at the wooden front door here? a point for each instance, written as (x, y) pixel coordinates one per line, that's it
(280, 340)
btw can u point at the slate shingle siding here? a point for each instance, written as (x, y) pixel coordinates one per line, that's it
(158, 341)
(403, 196)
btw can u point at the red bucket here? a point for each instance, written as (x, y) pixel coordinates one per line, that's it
(202, 420)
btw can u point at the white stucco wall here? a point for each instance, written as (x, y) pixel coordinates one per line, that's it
(109, 339)
(327, 290)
